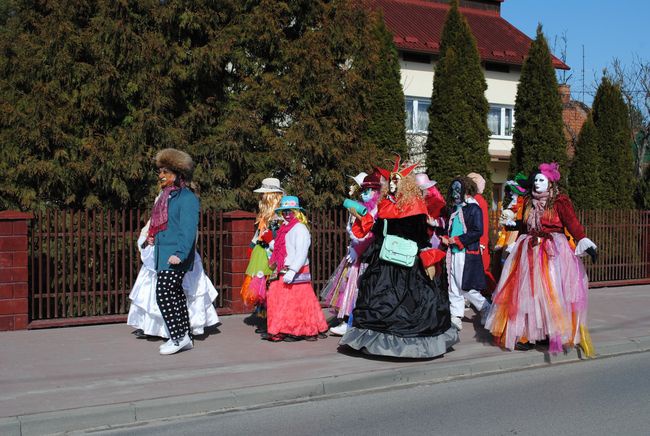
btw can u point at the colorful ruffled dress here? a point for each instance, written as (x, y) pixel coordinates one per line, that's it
(340, 292)
(543, 287)
(199, 291)
(253, 290)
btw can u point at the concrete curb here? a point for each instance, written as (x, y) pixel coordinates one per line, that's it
(109, 416)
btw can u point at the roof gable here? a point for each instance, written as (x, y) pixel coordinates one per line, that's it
(417, 26)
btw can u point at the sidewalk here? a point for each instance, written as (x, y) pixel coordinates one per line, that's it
(81, 377)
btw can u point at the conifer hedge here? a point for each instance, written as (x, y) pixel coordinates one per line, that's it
(303, 90)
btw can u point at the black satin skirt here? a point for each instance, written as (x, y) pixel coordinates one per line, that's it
(400, 312)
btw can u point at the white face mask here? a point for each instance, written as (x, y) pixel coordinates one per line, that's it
(392, 186)
(540, 183)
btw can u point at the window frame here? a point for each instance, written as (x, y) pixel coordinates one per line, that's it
(502, 119)
(416, 101)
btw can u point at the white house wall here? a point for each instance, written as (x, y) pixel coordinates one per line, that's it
(417, 81)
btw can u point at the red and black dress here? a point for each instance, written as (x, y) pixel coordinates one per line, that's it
(400, 312)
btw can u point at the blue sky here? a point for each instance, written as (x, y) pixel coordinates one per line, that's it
(606, 28)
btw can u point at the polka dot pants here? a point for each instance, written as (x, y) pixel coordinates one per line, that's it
(172, 303)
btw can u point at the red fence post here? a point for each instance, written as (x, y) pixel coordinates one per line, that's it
(14, 308)
(238, 227)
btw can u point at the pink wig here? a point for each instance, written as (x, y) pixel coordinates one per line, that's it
(551, 171)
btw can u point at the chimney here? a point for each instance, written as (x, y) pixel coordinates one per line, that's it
(565, 93)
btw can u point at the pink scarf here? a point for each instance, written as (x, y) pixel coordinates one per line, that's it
(160, 210)
(280, 245)
(536, 213)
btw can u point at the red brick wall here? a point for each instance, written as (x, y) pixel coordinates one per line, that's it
(574, 115)
(239, 227)
(13, 270)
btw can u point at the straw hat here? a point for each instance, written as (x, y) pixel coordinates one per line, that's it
(270, 184)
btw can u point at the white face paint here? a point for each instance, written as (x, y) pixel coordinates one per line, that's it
(392, 186)
(540, 183)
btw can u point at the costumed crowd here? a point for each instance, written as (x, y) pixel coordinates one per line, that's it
(415, 262)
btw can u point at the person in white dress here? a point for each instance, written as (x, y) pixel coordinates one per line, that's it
(144, 314)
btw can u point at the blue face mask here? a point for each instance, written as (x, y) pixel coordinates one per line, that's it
(456, 189)
(366, 195)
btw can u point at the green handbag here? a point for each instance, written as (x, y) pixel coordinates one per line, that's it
(399, 251)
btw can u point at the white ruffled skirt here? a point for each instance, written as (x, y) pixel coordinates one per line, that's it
(199, 291)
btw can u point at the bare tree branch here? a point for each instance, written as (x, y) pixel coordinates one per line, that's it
(634, 81)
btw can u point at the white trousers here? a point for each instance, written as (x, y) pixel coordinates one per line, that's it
(457, 295)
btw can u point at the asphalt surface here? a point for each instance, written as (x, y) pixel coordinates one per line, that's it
(74, 378)
(598, 397)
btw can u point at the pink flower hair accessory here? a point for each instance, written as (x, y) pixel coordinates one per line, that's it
(551, 171)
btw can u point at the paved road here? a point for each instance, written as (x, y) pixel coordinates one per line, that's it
(599, 397)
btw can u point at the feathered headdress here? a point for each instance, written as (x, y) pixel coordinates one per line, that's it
(386, 174)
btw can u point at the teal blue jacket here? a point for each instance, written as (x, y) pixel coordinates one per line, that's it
(180, 236)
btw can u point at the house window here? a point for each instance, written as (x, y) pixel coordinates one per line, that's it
(417, 114)
(501, 121)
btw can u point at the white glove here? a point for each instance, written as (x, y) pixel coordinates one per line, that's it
(352, 255)
(289, 276)
(583, 245)
(509, 247)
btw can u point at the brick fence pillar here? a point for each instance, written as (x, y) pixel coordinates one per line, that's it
(239, 227)
(14, 309)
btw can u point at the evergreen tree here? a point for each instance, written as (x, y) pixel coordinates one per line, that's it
(297, 108)
(458, 136)
(615, 146)
(642, 194)
(91, 90)
(384, 107)
(585, 182)
(538, 132)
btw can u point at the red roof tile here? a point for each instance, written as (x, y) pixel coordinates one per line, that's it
(417, 26)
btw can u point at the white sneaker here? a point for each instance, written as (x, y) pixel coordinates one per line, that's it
(456, 322)
(185, 343)
(484, 313)
(165, 344)
(340, 329)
